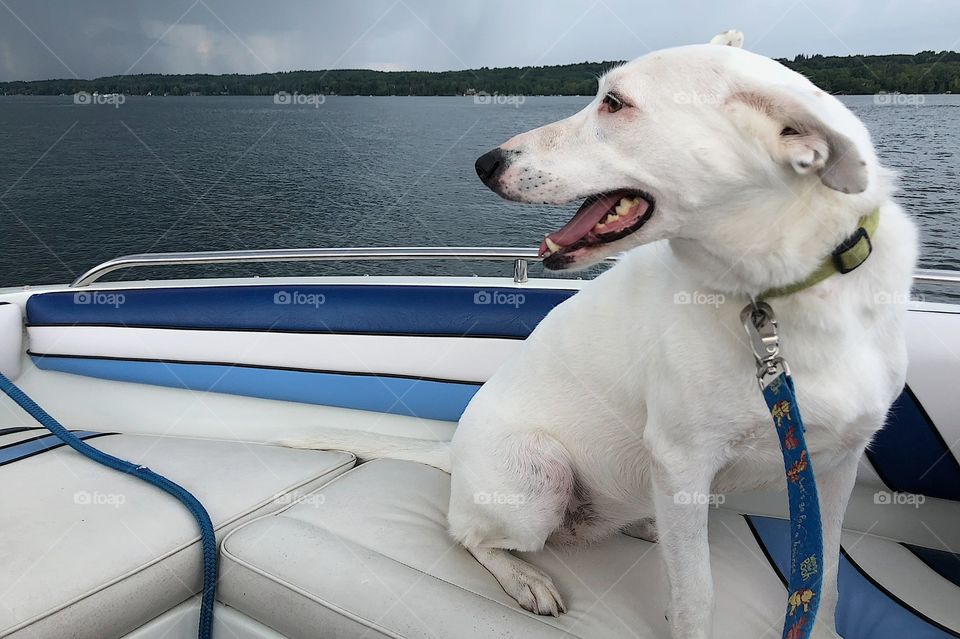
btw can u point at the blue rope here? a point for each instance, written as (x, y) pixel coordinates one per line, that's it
(208, 538)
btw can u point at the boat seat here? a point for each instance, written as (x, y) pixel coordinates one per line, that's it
(11, 339)
(368, 555)
(87, 552)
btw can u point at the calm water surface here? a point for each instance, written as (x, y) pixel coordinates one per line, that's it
(80, 184)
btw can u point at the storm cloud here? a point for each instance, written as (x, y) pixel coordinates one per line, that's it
(70, 38)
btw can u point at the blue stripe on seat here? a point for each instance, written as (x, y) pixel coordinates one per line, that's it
(865, 610)
(412, 310)
(909, 454)
(429, 399)
(15, 429)
(41, 444)
(946, 564)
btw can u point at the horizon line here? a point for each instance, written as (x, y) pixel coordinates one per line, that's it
(465, 70)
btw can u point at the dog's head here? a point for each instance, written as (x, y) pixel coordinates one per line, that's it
(685, 143)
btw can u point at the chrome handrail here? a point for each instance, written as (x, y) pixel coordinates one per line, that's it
(518, 255)
(936, 276)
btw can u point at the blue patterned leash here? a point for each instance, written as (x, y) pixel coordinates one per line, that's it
(806, 532)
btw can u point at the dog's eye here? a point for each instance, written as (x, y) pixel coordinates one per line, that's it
(789, 131)
(612, 102)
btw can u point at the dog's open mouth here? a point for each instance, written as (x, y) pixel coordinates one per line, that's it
(602, 218)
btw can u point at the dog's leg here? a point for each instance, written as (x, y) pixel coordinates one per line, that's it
(532, 469)
(681, 482)
(834, 485)
(531, 587)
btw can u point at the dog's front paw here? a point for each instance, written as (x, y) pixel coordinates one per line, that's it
(535, 591)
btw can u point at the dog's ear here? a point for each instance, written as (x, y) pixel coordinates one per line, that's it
(798, 135)
(731, 38)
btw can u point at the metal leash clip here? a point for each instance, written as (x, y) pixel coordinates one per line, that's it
(761, 326)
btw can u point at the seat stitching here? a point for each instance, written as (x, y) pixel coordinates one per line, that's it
(97, 589)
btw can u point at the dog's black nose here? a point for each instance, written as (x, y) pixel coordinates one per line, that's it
(490, 165)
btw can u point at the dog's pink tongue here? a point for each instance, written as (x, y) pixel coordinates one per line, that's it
(591, 212)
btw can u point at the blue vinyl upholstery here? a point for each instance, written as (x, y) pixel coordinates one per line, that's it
(406, 310)
(909, 454)
(866, 610)
(429, 399)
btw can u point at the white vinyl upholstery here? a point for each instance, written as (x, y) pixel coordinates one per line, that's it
(458, 358)
(103, 553)
(932, 343)
(368, 555)
(181, 622)
(11, 340)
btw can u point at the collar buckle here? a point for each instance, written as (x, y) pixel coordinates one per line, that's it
(846, 257)
(853, 251)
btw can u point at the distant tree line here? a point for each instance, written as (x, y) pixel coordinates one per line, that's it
(925, 72)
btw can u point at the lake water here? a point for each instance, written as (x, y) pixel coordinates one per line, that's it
(80, 184)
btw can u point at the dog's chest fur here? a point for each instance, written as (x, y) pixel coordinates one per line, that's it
(625, 367)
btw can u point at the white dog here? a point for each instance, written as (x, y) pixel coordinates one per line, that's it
(622, 398)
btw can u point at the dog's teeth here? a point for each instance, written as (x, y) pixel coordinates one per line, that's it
(625, 205)
(611, 217)
(553, 246)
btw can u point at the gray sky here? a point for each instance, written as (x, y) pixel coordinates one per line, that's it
(74, 38)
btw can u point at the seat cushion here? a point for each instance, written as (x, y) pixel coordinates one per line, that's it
(86, 551)
(371, 553)
(358, 346)
(11, 339)
(368, 554)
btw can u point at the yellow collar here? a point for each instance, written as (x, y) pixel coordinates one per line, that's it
(851, 253)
